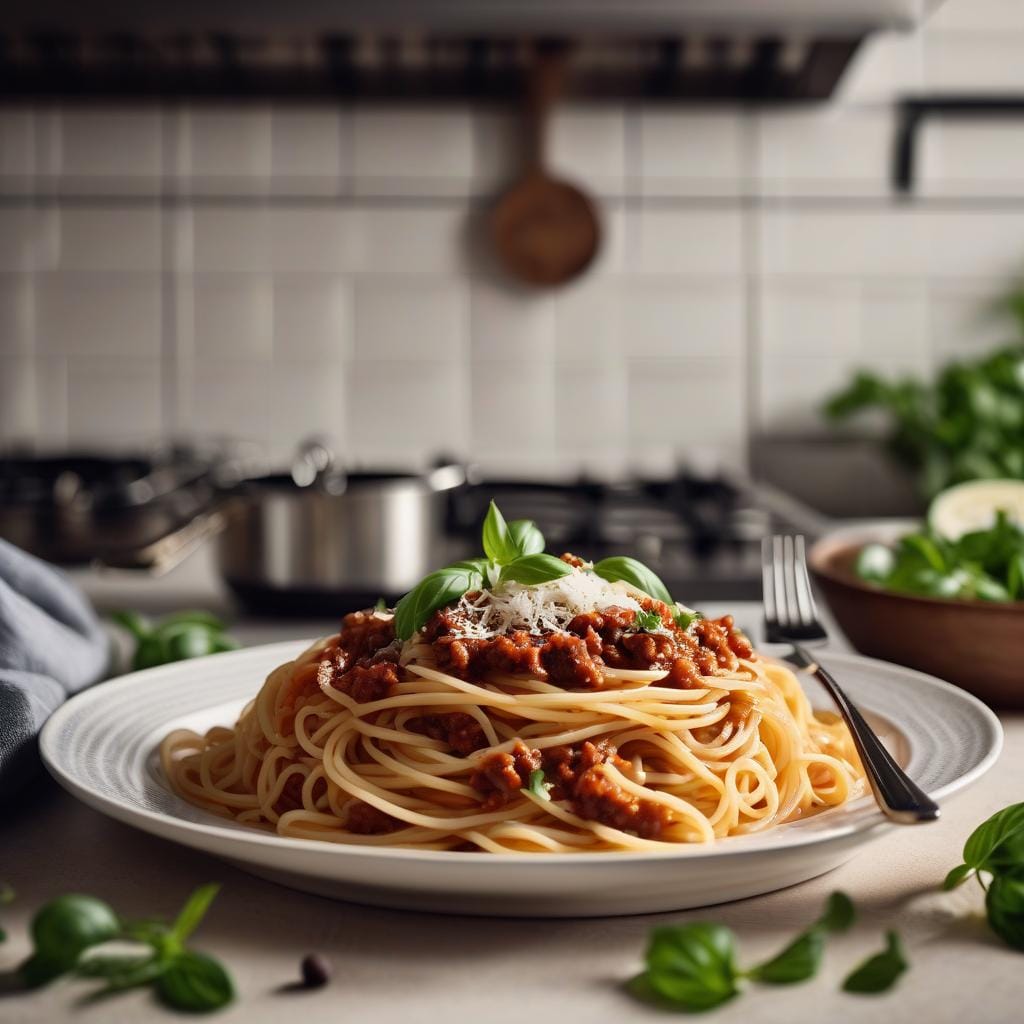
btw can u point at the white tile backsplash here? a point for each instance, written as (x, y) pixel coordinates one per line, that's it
(110, 238)
(668, 319)
(274, 270)
(313, 319)
(233, 316)
(17, 314)
(666, 240)
(404, 150)
(98, 314)
(681, 153)
(420, 320)
(111, 149)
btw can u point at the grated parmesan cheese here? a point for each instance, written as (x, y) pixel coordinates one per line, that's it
(539, 608)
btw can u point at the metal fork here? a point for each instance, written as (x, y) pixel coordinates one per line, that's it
(790, 617)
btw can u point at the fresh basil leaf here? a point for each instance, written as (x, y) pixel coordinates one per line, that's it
(692, 966)
(498, 543)
(526, 537)
(190, 642)
(145, 972)
(538, 787)
(381, 605)
(65, 927)
(195, 983)
(958, 875)
(926, 550)
(533, 569)
(839, 913)
(136, 624)
(799, 961)
(685, 617)
(802, 957)
(433, 592)
(191, 618)
(112, 966)
(879, 972)
(1004, 905)
(997, 844)
(629, 570)
(194, 910)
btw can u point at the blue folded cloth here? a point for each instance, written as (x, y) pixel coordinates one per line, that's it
(51, 646)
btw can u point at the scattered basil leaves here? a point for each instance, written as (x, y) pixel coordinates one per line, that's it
(995, 849)
(690, 966)
(879, 972)
(801, 959)
(1004, 907)
(629, 570)
(177, 637)
(66, 930)
(194, 983)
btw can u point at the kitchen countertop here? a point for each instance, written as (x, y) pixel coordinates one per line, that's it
(404, 967)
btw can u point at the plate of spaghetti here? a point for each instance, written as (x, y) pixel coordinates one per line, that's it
(521, 734)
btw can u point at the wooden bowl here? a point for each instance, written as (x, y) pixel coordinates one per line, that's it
(978, 645)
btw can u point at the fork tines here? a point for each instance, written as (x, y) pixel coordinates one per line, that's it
(789, 609)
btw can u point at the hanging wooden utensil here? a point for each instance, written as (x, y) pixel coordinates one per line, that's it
(545, 230)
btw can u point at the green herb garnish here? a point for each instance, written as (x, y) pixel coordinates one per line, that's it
(685, 617)
(538, 787)
(629, 570)
(67, 931)
(189, 634)
(986, 564)
(994, 854)
(647, 621)
(514, 552)
(693, 967)
(879, 972)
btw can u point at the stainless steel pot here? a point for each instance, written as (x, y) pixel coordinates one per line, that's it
(288, 544)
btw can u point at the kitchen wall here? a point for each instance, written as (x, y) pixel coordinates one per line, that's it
(266, 271)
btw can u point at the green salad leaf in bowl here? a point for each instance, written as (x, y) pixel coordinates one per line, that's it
(972, 547)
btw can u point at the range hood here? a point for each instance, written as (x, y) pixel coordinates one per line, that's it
(676, 49)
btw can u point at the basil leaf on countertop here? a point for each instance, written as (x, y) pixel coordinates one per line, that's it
(1004, 905)
(194, 983)
(879, 972)
(629, 570)
(194, 911)
(176, 637)
(690, 966)
(801, 959)
(433, 592)
(526, 537)
(533, 569)
(499, 545)
(997, 844)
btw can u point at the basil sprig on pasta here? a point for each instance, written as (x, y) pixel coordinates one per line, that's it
(513, 553)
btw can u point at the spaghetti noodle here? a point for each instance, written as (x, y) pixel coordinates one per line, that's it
(621, 725)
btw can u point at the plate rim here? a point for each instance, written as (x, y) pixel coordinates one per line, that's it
(160, 823)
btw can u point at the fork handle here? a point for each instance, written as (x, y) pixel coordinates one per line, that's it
(900, 799)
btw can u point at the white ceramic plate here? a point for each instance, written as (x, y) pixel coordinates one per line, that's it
(101, 746)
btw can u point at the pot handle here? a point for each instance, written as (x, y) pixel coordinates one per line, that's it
(166, 552)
